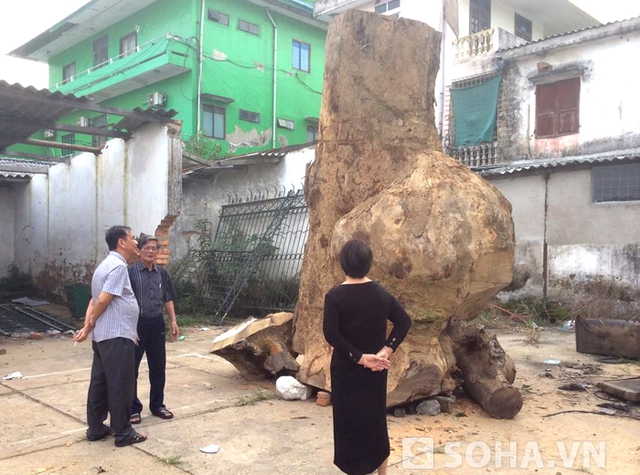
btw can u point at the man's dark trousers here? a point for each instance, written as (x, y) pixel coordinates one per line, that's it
(112, 388)
(152, 334)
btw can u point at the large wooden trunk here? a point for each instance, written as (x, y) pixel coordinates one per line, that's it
(442, 237)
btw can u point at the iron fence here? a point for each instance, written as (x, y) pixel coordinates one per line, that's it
(252, 266)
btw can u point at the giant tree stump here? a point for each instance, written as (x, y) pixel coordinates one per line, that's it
(442, 237)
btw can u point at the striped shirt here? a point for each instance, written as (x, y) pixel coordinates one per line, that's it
(152, 288)
(120, 318)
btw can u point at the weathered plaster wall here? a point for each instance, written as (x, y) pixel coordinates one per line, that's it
(7, 228)
(203, 198)
(609, 103)
(586, 241)
(526, 195)
(61, 218)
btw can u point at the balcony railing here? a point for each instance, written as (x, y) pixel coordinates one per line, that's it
(473, 45)
(477, 155)
(483, 42)
(148, 56)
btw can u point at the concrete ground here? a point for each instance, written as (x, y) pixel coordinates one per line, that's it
(42, 417)
(42, 428)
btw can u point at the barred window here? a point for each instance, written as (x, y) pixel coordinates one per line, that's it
(615, 183)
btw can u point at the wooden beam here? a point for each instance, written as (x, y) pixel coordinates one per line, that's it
(91, 131)
(43, 124)
(66, 146)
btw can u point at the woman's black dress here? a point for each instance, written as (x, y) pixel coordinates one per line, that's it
(355, 322)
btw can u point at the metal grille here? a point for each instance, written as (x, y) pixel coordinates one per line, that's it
(17, 320)
(252, 267)
(481, 154)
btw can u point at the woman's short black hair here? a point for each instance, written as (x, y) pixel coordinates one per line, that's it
(355, 258)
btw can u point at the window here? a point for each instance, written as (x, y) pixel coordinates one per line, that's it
(70, 139)
(301, 56)
(615, 183)
(100, 52)
(523, 27)
(128, 44)
(219, 17)
(286, 124)
(387, 6)
(479, 15)
(557, 108)
(312, 133)
(249, 116)
(248, 27)
(99, 122)
(214, 120)
(68, 73)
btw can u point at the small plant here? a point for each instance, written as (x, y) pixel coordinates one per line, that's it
(173, 460)
(254, 397)
(203, 147)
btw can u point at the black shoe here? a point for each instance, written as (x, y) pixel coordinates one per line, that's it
(136, 439)
(163, 413)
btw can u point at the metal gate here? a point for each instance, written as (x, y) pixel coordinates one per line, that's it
(252, 266)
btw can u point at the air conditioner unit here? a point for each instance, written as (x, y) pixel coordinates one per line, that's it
(157, 99)
(83, 122)
(49, 133)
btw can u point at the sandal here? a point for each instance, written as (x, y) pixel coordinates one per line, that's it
(135, 418)
(163, 413)
(136, 439)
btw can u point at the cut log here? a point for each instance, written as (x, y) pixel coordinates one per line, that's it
(487, 370)
(259, 349)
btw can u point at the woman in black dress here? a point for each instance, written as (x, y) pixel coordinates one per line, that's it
(355, 324)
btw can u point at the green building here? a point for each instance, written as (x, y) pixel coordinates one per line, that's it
(245, 73)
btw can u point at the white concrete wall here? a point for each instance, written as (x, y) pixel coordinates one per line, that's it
(203, 198)
(7, 228)
(60, 219)
(586, 241)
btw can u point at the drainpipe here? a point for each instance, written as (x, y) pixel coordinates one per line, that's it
(275, 77)
(200, 58)
(545, 245)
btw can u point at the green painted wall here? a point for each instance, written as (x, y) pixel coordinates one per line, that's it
(237, 65)
(246, 76)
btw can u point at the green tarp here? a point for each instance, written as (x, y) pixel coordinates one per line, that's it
(474, 110)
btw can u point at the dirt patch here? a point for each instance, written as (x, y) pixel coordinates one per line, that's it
(469, 441)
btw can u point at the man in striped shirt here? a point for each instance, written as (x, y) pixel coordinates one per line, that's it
(112, 317)
(154, 292)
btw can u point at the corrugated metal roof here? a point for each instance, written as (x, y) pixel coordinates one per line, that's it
(559, 35)
(15, 175)
(6, 163)
(197, 167)
(517, 167)
(26, 110)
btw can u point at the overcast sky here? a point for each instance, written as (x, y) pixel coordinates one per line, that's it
(22, 20)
